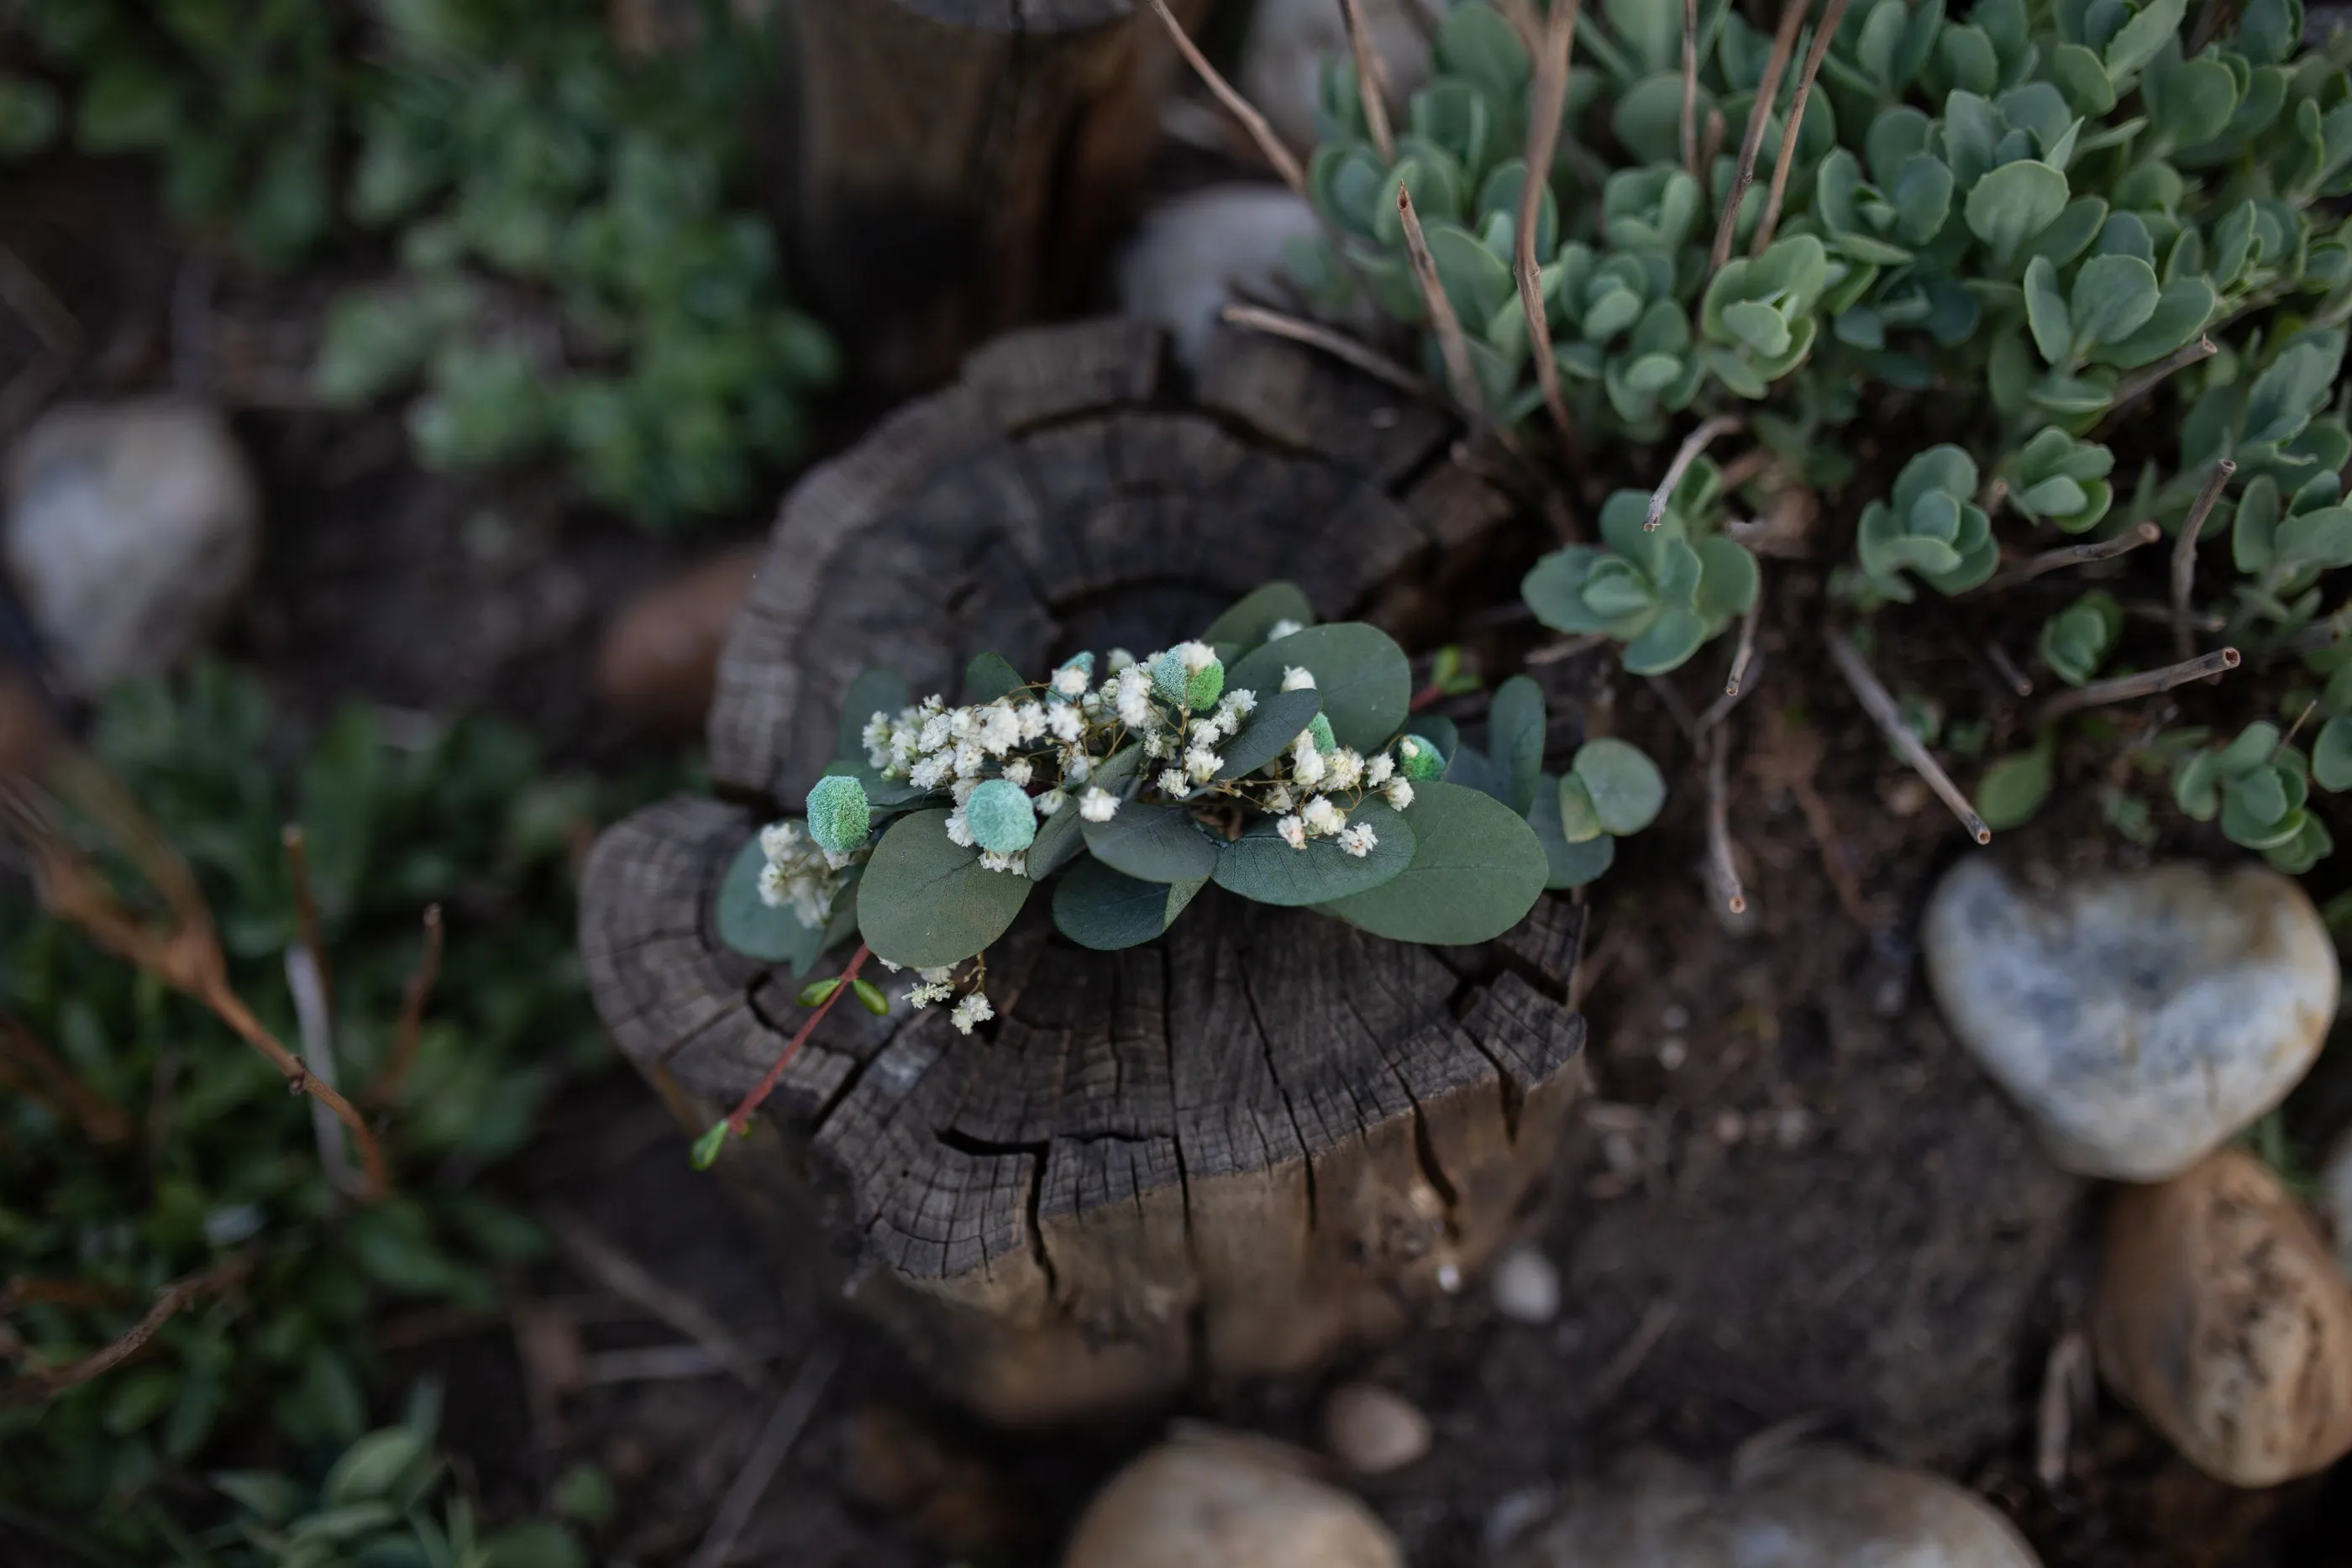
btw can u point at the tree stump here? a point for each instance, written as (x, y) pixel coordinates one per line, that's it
(959, 165)
(1233, 1152)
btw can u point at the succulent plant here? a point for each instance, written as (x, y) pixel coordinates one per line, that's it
(2258, 786)
(1932, 527)
(2076, 640)
(1662, 591)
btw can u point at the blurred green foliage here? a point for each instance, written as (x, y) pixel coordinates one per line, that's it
(216, 1158)
(579, 272)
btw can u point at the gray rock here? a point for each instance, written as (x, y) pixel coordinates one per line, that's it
(1194, 254)
(1526, 1286)
(131, 528)
(1816, 1508)
(1224, 1499)
(2140, 1020)
(1373, 1431)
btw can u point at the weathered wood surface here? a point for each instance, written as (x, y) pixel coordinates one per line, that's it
(1233, 1152)
(959, 165)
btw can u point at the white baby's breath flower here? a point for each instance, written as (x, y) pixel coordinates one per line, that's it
(973, 1010)
(999, 730)
(1065, 723)
(936, 732)
(774, 885)
(1031, 716)
(1097, 805)
(1306, 762)
(1172, 781)
(1202, 764)
(1019, 771)
(927, 993)
(1051, 802)
(1293, 829)
(1358, 839)
(1345, 768)
(1158, 745)
(834, 860)
(1196, 656)
(1134, 699)
(1295, 679)
(1076, 766)
(1278, 799)
(1240, 702)
(964, 722)
(963, 789)
(778, 840)
(1324, 815)
(968, 760)
(1070, 681)
(1399, 793)
(1283, 628)
(959, 829)
(1376, 771)
(1015, 862)
(886, 963)
(940, 974)
(931, 771)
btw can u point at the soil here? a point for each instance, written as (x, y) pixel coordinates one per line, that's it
(1794, 1207)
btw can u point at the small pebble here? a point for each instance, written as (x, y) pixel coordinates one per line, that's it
(131, 529)
(1373, 1431)
(1672, 1052)
(2220, 1317)
(1730, 1126)
(1526, 1286)
(1676, 1017)
(1230, 1500)
(2140, 1020)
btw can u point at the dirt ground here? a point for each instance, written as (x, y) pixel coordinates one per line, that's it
(1792, 1207)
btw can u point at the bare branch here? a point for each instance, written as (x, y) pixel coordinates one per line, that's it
(627, 1279)
(2142, 382)
(1567, 648)
(2018, 680)
(1734, 686)
(1268, 144)
(1721, 869)
(393, 1075)
(2184, 555)
(2130, 539)
(57, 1085)
(1451, 343)
(1339, 345)
(1371, 78)
(1550, 95)
(2123, 688)
(1786, 157)
(1889, 719)
(1696, 442)
(794, 1407)
(184, 1291)
(1784, 44)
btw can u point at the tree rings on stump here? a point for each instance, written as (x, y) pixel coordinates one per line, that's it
(1236, 1151)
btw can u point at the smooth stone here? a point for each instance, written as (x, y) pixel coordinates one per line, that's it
(2220, 1317)
(131, 528)
(1225, 1500)
(2140, 1019)
(1526, 1286)
(2336, 1201)
(1282, 60)
(1373, 1431)
(1816, 1508)
(658, 657)
(1194, 255)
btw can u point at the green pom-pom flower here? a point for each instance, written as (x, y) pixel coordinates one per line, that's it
(1321, 729)
(838, 814)
(1418, 759)
(1189, 676)
(1000, 817)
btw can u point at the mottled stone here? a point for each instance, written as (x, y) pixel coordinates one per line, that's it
(1371, 1430)
(1215, 1500)
(2141, 1018)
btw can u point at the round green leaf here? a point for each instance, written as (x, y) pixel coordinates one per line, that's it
(988, 677)
(748, 923)
(1570, 864)
(1478, 868)
(1572, 808)
(1364, 678)
(1268, 731)
(925, 902)
(2331, 756)
(1157, 843)
(1626, 787)
(873, 691)
(1259, 865)
(1097, 907)
(2013, 788)
(1515, 729)
(1246, 624)
(2012, 203)
(2114, 298)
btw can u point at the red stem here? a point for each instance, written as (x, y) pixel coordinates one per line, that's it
(1428, 697)
(740, 1121)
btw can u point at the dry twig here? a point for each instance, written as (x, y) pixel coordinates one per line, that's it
(1371, 78)
(622, 1275)
(2123, 688)
(1786, 157)
(28, 1067)
(1339, 345)
(1686, 454)
(1784, 44)
(2184, 555)
(1721, 869)
(1550, 94)
(185, 1292)
(1451, 344)
(1882, 709)
(2144, 380)
(386, 1088)
(794, 1407)
(1567, 648)
(2019, 682)
(1269, 145)
(2131, 539)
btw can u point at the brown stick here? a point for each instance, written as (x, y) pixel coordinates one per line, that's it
(2019, 682)
(305, 914)
(1696, 442)
(2074, 555)
(1689, 140)
(632, 1283)
(1733, 687)
(1339, 345)
(1784, 44)
(2184, 555)
(1371, 78)
(1889, 719)
(1567, 648)
(2123, 688)
(393, 1075)
(1451, 344)
(2145, 380)
(1791, 127)
(1543, 137)
(55, 1084)
(221, 1278)
(1269, 145)
(1721, 869)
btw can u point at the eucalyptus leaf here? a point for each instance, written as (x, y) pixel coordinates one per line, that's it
(749, 924)
(986, 678)
(1516, 725)
(1363, 677)
(1625, 786)
(1268, 731)
(925, 902)
(1259, 865)
(1155, 842)
(1248, 622)
(1097, 907)
(1478, 868)
(1570, 864)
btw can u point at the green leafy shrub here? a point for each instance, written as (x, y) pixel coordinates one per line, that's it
(196, 1155)
(580, 272)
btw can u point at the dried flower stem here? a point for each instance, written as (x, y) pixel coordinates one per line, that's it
(1371, 78)
(1889, 719)
(739, 1121)
(2131, 539)
(1689, 139)
(1784, 44)
(2123, 688)
(1567, 648)
(1710, 141)
(1269, 145)
(2184, 554)
(2018, 680)
(1550, 95)
(184, 1291)
(1696, 442)
(1786, 157)
(1451, 343)
(56, 1085)
(1734, 684)
(1721, 869)
(2146, 380)
(386, 1088)
(1339, 345)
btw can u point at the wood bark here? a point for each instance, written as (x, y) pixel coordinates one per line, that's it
(1234, 1152)
(959, 165)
